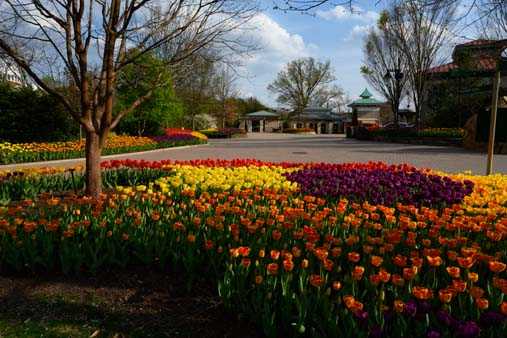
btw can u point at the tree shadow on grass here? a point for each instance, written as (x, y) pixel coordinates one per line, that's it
(126, 304)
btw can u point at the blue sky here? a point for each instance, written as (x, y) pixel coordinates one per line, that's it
(332, 33)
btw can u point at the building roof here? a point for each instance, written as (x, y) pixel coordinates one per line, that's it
(262, 114)
(318, 114)
(477, 56)
(484, 64)
(366, 99)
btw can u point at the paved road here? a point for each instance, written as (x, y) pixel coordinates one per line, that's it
(324, 148)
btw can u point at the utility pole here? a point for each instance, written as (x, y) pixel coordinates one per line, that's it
(502, 65)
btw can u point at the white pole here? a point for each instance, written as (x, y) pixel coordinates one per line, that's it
(492, 124)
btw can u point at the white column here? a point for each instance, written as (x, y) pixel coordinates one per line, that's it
(261, 127)
(249, 125)
(330, 128)
(318, 128)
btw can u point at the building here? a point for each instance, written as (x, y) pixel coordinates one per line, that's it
(366, 110)
(261, 121)
(461, 91)
(321, 120)
(11, 73)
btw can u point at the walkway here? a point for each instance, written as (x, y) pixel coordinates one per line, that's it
(321, 148)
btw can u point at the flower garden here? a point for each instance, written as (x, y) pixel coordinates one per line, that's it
(309, 250)
(115, 144)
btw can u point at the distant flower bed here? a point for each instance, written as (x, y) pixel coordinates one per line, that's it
(182, 132)
(224, 132)
(298, 130)
(33, 152)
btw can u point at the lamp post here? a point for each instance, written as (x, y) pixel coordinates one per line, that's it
(501, 67)
(398, 75)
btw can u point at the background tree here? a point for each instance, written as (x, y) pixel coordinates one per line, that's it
(301, 82)
(161, 110)
(224, 91)
(492, 23)
(24, 116)
(421, 31)
(88, 39)
(385, 65)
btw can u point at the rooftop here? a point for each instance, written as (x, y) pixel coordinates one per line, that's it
(262, 113)
(366, 99)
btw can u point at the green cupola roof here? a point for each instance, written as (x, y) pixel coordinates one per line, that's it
(366, 99)
(365, 94)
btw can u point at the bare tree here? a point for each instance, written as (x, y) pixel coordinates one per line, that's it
(421, 31)
(385, 65)
(301, 82)
(307, 5)
(89, 39)
(224, 89)
(492, 22)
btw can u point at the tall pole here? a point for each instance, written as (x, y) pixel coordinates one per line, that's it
(492, 124)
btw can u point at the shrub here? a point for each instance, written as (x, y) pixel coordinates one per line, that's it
(224, 132)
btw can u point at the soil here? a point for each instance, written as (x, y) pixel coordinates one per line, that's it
(134, 303)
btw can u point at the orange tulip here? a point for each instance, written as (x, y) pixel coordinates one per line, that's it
(422, 293)
(246, 262)
(353, 257)
(476, 292)
(398, 280)
(459, 285)
(272, 268)
(496, 266)
(275, 254)
(503, 308)
(453, 271)
(434, 261)
(288, 265)
(357, 272)
(376, 261)
(409, 273)
(316, 281)
(337, 285)
(466, 262)
(445, 295)
(400, 261)
(258, 279)
(481, 303)
(384, 276)
(399, 306)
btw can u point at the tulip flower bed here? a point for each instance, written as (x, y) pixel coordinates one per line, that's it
(32, 152)
(295, 261)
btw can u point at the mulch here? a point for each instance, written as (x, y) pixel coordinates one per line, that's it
(135, 303)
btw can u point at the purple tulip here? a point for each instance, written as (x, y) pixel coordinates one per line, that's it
(468, 329)
(381, 184)
(411, 308)
(491, 318)
(433, 334)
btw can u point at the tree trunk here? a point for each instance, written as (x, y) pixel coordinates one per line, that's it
(93, 175)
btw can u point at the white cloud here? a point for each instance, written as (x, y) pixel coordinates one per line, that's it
(277, 46)
(346, 13)
(358, 32)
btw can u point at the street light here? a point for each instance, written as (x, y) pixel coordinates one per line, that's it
(501, 68)
(398, 76)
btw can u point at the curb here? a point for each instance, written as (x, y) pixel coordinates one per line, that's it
(82, 159)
